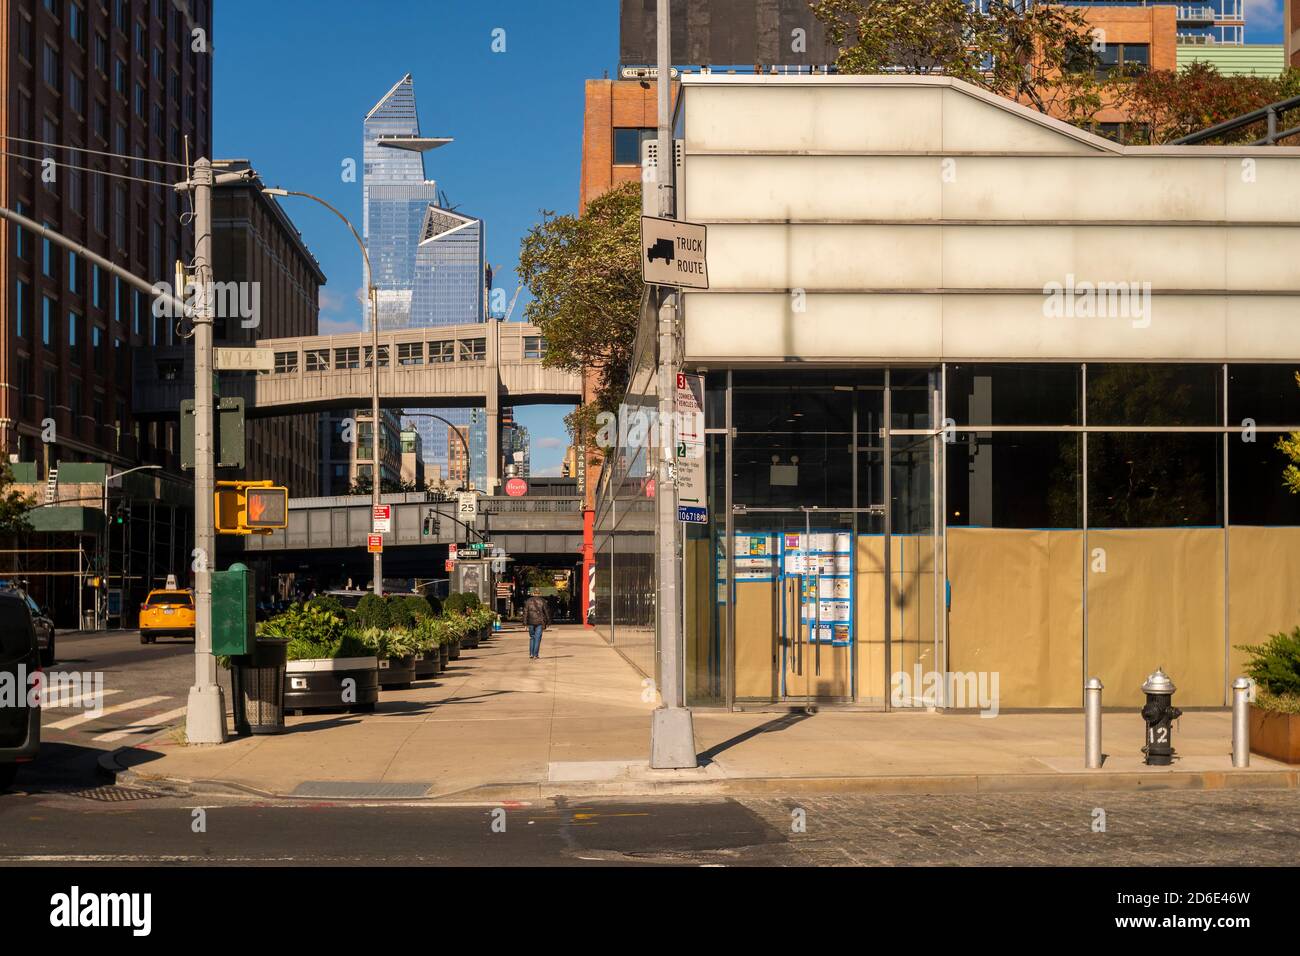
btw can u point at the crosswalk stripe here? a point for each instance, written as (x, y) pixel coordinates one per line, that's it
(154, 723)
(52, 702)
(115, 709)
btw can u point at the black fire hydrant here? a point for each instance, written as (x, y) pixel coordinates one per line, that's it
(1159, 712)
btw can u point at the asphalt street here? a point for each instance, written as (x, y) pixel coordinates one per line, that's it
(144, 690)
(63, 811)
(118, 825)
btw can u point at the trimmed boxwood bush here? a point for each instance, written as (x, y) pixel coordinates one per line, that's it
(373, 611)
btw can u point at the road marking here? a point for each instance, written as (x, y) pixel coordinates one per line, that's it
(117, 708)
(76, 701)
(155, 723)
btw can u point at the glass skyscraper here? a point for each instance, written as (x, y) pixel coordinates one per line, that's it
(427, 261)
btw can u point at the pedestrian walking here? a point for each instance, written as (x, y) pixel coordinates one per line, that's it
(537, 616)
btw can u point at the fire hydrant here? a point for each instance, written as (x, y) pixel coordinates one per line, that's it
(1159, 712)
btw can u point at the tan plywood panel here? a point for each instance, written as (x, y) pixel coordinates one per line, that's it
(1159, 603)
(1264, 587)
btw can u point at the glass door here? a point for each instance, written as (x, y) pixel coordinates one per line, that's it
(803, 598)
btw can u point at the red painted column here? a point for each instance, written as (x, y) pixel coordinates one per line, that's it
(588, 563)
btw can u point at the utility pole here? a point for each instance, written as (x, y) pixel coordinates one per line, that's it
(672, 731)
(205, 718)
(376, 472)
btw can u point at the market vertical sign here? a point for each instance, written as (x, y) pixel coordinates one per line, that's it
(688, 448)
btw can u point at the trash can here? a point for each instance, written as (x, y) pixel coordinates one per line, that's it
(257, 686)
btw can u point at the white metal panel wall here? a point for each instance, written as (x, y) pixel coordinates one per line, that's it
(822, 248)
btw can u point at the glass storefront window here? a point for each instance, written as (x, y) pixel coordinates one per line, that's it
(1014, 394)
(1155, 480)
(1014, 480)
(1161, 395)
(1265, 394)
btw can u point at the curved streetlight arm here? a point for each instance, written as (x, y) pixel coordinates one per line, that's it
(454, 428)
(365, 253)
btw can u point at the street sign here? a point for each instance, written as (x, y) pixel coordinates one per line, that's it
(516, 487)
(451, 552)
(228, 421)
(688, 449)
(450, 566)
(244, 360)
(467, 506)
(375, 543)
(673, 253)
(383, 519)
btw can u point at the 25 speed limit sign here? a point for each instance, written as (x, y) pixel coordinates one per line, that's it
(467, 506)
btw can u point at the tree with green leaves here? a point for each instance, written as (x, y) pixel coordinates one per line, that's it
(14, 505)
(1039, 54)
(584, 274)
(1290, 446)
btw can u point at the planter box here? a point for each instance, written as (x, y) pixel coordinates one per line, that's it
(1275, 735)
(318, 684)
(397, 672)
(470, 640)
(428, 664)
(444, 655)
(455, 650)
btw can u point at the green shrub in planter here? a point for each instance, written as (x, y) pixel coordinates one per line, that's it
(392, 643)
(1275, 668)
(372, 611)
(313, 633)
(329, 603)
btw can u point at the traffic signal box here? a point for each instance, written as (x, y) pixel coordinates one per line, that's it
(234, 611)
(250, 507)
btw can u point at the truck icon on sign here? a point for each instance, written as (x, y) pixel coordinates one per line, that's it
(662, 249)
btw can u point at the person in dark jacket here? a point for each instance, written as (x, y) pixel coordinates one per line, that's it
(537, 616)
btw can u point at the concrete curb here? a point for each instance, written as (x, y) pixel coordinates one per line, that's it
(920, 784)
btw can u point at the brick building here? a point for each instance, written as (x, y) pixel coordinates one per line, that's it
(121, 78)
(254, 241)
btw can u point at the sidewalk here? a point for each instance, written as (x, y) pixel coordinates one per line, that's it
(498, 726)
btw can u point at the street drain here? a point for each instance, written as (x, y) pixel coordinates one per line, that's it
(113, 793)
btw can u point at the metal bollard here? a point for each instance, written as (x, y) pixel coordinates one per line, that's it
(1241, 721)
(1092, 723)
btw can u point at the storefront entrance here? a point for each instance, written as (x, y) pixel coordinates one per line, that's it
(823, 559)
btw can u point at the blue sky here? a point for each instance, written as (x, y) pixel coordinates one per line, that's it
(293, 80)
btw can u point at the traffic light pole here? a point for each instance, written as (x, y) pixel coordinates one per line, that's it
(205, 718)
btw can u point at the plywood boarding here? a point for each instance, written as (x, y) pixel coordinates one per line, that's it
(1159, 603)
(756, 657)
(1264, 587)
(1017, 611)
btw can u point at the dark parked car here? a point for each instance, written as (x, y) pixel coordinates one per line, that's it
(41, 621)
(20, 725)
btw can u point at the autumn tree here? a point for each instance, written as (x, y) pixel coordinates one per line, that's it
(584, 273)
(1165, 105)
(1039, 54)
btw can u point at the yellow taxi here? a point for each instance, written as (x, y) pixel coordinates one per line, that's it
(167, 612)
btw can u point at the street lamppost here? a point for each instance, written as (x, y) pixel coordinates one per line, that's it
(455, 430)
(376, 478)
(101, 611)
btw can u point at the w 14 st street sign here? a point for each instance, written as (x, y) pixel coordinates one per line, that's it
(674, 253)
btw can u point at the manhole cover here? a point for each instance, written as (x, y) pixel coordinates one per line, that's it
(358, 790)
(115, 794)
